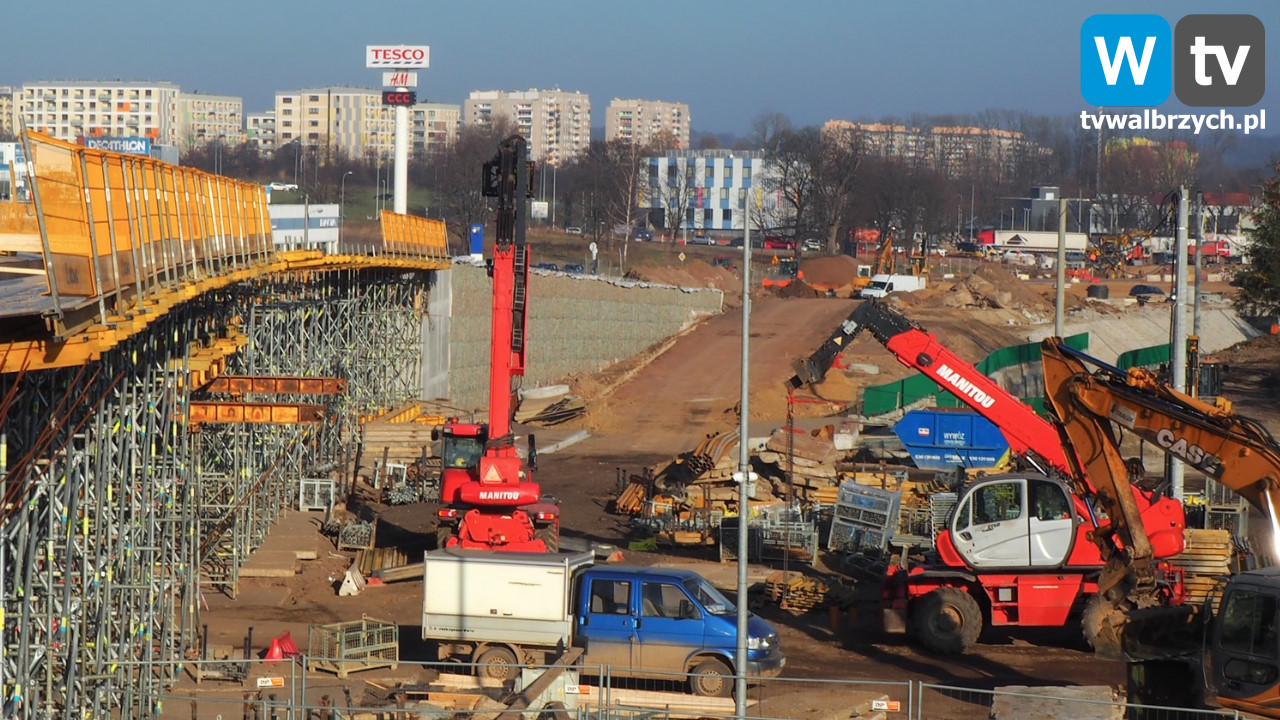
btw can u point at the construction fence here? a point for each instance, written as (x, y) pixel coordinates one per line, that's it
(296, 689)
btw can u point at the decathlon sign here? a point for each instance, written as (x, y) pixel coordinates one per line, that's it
(131, 146)
(397, 56)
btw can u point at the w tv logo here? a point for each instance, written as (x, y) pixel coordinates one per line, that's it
(1209, 60)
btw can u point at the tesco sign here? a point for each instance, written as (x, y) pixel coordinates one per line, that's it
(397, 56)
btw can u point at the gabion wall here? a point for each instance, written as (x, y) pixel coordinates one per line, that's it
(576, 324)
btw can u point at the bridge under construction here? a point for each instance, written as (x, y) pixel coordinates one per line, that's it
(168, 377)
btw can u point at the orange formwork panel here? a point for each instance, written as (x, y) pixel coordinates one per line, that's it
(240, 385)
(254, 413)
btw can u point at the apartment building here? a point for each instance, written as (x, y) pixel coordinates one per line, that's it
(260, 132)
(329, 117)
(355, 122)
(953, 150)
(884, 139)
(8, 111)
(642, 122)
(556, 123)
(433, 127)
(205, 118)
(69, 110)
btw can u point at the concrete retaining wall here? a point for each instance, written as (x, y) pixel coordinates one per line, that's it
(1110, 335)
(576, 324)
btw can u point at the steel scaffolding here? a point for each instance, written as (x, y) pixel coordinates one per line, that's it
(116, 511)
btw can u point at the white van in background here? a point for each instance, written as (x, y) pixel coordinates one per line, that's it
(882, 285)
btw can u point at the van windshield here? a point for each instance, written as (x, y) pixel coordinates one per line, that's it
(710, 598)
(878, 285)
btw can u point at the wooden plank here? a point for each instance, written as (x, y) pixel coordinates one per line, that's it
(676, 704)
(21, 242)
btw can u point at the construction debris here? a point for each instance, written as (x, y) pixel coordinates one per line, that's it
(798, 593)
(549, 406)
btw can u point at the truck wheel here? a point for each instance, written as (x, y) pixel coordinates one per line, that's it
(442, 537)
(1101, 625)
(497, 663)
(549, 537)
(554, 711)
(947, 620)
(711, 678)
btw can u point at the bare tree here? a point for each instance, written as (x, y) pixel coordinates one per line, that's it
(457, 194)
(840, 153)
(794, 179)
(673, 190)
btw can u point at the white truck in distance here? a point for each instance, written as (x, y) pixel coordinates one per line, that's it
(882, 285)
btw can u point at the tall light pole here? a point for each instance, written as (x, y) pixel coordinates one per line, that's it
(342, 204)
(744, 484)
(971, 193)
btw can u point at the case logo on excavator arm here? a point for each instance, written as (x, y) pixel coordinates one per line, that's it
(1197, 456)
(963, 386)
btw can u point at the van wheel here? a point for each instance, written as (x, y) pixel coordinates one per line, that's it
(947, 620)
(549, 536)
(711, 678)
(497, 663)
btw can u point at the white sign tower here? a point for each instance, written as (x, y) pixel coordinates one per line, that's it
(399, 59)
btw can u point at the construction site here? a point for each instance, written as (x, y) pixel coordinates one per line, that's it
(226, 464)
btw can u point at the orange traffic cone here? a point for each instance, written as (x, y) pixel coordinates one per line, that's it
(275, 652)
(288, 647)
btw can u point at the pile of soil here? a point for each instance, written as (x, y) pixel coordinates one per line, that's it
(693, 272)
(992, 286)
(834, 272)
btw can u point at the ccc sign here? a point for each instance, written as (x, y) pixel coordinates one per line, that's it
(399, 97)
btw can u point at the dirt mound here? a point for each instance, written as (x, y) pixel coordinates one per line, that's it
(692, 273)
(990, 286)
(829, 273)
(1264, 348)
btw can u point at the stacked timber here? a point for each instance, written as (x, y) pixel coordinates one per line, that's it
(798, 593)
(402, 436)
(704, 476)
(1205, 562)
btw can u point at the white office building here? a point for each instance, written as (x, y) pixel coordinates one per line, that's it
(710, 190)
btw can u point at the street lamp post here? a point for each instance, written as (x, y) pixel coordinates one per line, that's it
(217, 155)
(342, 203)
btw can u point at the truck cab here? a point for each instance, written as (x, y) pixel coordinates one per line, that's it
(647, 622)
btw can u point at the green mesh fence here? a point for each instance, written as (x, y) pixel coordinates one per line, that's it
(1147, 357)
(885, 398)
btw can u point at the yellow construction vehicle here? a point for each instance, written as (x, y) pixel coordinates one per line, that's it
(884, 263)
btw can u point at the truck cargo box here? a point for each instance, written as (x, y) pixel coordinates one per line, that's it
(482, 595)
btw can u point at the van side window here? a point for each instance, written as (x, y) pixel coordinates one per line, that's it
(662, 600)
(611, 597)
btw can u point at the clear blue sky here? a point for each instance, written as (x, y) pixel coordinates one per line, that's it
(813, 60)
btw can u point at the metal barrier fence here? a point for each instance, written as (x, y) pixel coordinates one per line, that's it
(296, 689)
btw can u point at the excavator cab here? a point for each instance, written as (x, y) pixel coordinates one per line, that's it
(1244, 643)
